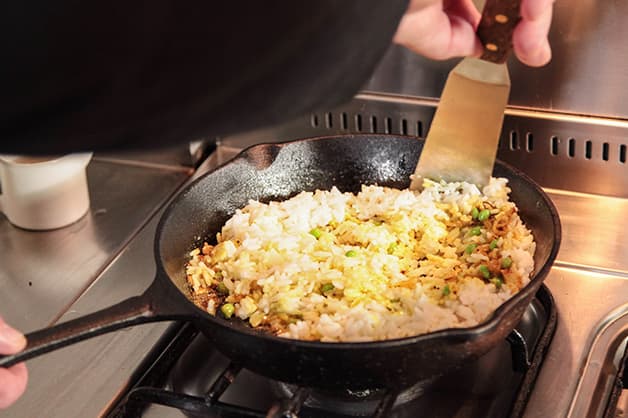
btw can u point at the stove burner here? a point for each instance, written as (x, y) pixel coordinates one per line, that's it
(352, 402)
(186, 372)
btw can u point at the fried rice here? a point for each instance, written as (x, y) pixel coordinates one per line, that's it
(380, 264)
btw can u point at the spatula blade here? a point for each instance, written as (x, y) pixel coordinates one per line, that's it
(462, 141)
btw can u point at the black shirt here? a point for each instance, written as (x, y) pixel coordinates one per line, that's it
(97, 75)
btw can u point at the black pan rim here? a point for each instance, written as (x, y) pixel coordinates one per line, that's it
(465, 334)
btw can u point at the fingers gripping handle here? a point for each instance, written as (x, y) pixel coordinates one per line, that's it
(498, 22)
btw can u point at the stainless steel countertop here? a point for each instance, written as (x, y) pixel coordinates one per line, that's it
(42, 273)
(589, 283)
(81, 380)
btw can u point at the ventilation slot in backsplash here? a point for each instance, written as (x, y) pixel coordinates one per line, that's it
(554, 145)
(373, 124)
(329, 120)
(571, 150)
(514, 141)
(387, 125)
(588, 148)
(529, 142)
(404, 127)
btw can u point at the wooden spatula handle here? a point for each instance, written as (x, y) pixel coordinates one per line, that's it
(498, 22)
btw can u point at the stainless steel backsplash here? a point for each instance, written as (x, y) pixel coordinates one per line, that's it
(588, 73)
(566, 124)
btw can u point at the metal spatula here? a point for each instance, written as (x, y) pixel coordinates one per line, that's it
(462, 141)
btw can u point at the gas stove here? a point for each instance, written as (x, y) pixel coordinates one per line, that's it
(189, 375)
(566, 358)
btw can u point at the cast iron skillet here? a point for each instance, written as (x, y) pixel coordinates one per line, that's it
(274, 171)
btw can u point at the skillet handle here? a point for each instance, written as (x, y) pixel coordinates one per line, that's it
(129, 312)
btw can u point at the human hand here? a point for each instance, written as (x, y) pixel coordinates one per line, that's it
(441, 29)
(12, 380)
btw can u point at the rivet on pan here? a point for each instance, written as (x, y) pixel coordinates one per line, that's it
(501, 18)
(491, 47)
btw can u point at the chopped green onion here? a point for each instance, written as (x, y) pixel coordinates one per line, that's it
(327, 287)
(316, 233)
(506, 262)
(493, 244)
(470, 248)
(446, 290)
(484, 271)
(351, 253)
(475, 213)
(476, 230)
(483, 215)
(222, 288)
(497, 282)
(227, 310)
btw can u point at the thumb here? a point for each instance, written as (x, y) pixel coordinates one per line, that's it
(11, 340)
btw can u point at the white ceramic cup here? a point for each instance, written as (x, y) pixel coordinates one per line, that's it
(44, 193)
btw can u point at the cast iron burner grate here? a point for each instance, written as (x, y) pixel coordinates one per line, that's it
(186, 373)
